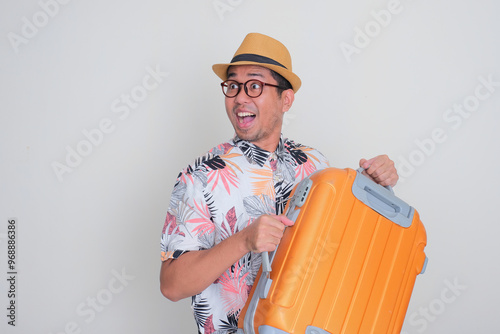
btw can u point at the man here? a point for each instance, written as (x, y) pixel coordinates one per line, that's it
(226, 207)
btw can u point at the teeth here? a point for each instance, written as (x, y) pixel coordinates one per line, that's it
(245, 114)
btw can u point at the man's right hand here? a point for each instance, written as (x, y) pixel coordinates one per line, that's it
(264, 234)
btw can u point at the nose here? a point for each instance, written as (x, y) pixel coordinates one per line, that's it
(242, 97)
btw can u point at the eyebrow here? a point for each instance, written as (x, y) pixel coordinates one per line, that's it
(252, 74)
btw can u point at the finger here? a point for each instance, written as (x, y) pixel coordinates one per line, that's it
(284, 220)
(388, 178)
(381, 178)
(274, 225)
(264, 241)
(371, 164)
(375, 172)
(379, 165)
(268, 245)
(392, 180)
(363, 163)
(380, 169)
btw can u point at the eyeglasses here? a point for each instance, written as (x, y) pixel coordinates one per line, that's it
(253, 87)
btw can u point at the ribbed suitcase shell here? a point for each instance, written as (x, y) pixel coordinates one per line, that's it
(342, 268)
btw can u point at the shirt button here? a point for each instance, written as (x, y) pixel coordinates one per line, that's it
(277, 177)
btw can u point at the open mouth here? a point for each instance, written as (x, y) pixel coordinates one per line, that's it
(245, 117)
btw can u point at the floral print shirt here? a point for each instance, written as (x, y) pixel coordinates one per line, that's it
(218, 195)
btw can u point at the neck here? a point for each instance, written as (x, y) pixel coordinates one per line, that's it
(269, 145)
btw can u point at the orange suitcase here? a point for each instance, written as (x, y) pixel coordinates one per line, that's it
(348, 265)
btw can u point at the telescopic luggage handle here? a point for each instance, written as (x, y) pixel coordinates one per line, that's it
(295, 202)
(266, 263)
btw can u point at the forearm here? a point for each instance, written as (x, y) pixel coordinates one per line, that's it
(194, 271)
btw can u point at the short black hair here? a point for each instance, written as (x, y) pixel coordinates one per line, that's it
(282, 82)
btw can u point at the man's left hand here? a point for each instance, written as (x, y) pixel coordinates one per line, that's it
(380, 169)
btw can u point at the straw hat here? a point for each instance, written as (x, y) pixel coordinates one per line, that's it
(262, 50)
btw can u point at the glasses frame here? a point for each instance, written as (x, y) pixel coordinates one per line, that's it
(244, 84)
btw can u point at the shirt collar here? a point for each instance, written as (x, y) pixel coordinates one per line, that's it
(256, 154)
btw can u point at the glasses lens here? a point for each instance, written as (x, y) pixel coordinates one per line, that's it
(254, 88)
(230, 88)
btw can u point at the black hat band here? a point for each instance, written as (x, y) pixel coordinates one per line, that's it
(255, 58)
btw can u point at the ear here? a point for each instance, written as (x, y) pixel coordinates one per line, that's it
(287, 97)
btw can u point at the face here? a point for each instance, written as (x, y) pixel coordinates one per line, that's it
(257, 119)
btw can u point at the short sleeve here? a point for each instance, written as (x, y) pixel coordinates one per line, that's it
(188, 224)
(322, 161)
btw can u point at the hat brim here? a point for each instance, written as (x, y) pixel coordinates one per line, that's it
(221, 71)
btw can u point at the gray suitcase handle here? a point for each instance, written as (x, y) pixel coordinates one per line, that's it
(361, 170)
(382, 200)
(266, 263)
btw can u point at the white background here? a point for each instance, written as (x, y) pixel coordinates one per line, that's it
(66, 74)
